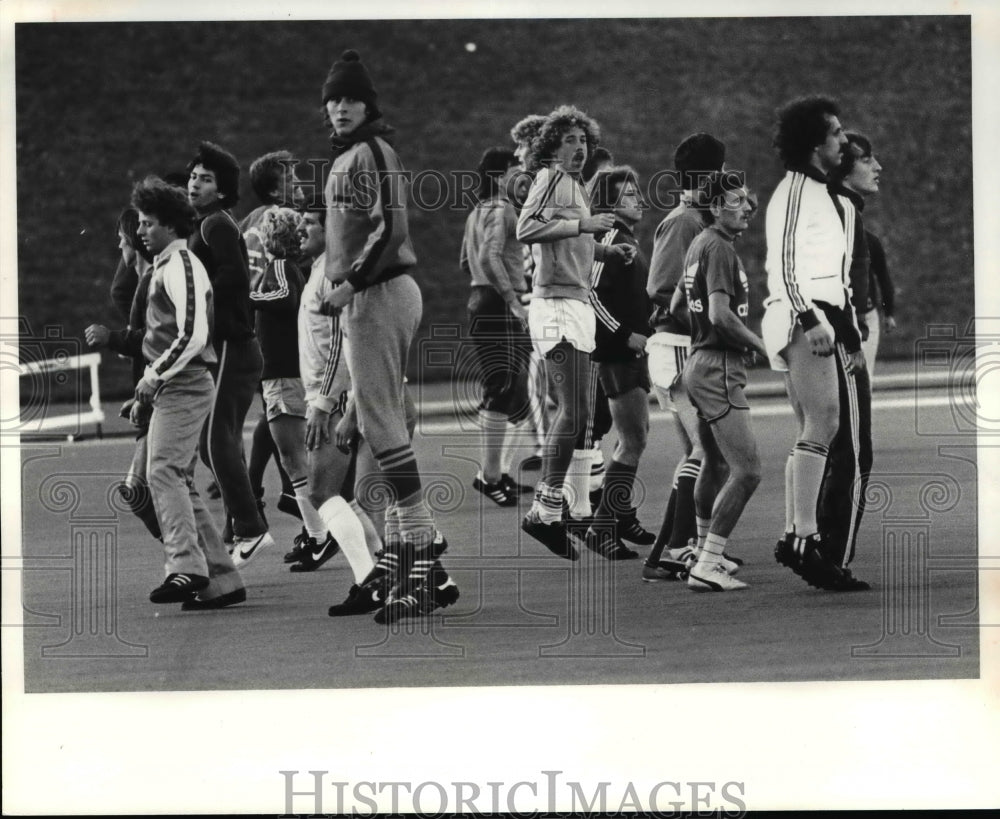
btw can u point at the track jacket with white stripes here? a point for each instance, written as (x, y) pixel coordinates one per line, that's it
(619, 297)
(178, 315)
(276, 300)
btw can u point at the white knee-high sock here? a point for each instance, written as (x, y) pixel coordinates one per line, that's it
(577, 483)
(372, 539)
(344, 525)
(808, 466)
(315, 527)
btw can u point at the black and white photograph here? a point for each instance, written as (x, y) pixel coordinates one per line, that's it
(465, 408)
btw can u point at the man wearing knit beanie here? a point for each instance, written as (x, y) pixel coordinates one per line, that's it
(370, 257)
(695, 158)
(213, 188)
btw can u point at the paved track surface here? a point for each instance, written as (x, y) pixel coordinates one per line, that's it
(524, 617)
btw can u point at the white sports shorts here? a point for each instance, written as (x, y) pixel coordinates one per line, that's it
(777, 328)
(551, 321)
(667, 353)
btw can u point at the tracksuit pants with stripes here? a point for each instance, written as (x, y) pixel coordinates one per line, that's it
(842, 495)
(236, 380)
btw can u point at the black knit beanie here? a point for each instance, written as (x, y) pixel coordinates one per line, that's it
(349, 78)
(698, 154)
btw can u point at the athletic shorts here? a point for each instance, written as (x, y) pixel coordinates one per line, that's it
(283, 396)
(666, 354)
(715, 380)
(501, 349)
(778, 328)
(620, 377)
(552, 321)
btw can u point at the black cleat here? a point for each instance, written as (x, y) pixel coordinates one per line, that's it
(631, 530)
(496, 492)
(785, 554)
(604, 543)
(220, 602)
(314, 554)
(816, 568)
(178, 588)
(362, 599)
(296, 553)
(419, 604)
(850, 583)
(552, 536)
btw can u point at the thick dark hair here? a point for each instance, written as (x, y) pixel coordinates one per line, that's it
(550, 135)
(606, 191)
(223, 164)
(594, 158)
(527, 129)
(864, 149)
(802, 125)
(167, 203)
(128, 224)
(265, 173)
(715, 187)
(493, 164)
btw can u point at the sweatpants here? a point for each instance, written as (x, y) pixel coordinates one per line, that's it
(191, 543)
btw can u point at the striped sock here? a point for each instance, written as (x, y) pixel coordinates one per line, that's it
(702, 525)
(597, 469)
(711, 552)
(808, 466)
(416, 524)
(684, 523)
(547, 504)
(311, 519)
(344, 525)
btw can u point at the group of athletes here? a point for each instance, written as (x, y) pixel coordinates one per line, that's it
(602, 328)
(310, 302)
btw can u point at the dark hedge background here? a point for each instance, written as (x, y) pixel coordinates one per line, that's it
(100, 105)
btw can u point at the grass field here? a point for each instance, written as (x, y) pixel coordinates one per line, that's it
(101, 105)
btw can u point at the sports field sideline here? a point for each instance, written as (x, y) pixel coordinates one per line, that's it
(524, 617)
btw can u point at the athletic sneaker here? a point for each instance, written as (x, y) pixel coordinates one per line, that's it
(850, 583)
(815, 567)
(294, 555)
(220, 602)
(689, 556)
(664, 569)
(784, 552)
(515, 488)
(631, 530)
(551, 535)
(246, 549)
(604, 543)
(314, 554)
(418, 604)
(362, 599)
(178, 587)
(496, 492)
(714, 578)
